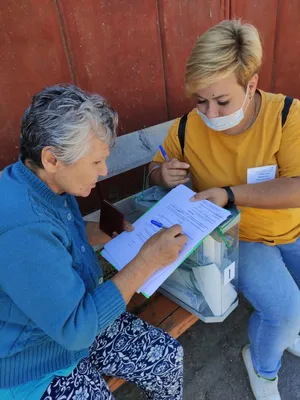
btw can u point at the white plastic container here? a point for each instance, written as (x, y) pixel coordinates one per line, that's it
(206, 284)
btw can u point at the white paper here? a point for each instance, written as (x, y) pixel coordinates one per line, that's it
(209, 282)
(109, 257)
(198, 219)
(180, 284)
(213, 251)
(261, 174)
(229, 273)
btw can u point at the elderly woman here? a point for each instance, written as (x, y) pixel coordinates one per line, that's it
(61, 327)
(242, 146)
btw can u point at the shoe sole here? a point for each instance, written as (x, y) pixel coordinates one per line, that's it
(244, 355)
(248, 366)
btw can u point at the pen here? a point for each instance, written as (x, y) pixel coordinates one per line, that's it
(163, 152)
(160, 225)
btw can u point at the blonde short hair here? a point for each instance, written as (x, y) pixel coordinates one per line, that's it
(229, 47)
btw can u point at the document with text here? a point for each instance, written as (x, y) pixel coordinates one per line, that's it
(198, 219)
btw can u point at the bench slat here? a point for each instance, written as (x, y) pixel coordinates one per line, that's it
(178, 322)
(158, 309)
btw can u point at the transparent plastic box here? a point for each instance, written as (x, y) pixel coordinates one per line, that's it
(206, 283)
(135, 206)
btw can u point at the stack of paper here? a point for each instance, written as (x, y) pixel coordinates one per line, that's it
(198, 219)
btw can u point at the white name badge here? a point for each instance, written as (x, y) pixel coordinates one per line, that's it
(261, 174)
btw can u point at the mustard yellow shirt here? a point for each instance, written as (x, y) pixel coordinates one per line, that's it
(219, 159)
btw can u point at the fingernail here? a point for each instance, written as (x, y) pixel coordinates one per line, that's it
(193, 198)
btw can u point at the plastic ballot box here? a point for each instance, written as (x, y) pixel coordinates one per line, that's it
(206, 283)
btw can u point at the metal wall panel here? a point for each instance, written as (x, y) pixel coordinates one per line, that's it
(263, 15)
(181, 22)
(131, 51)
(115, 50)
(32, 56)
(286, 77)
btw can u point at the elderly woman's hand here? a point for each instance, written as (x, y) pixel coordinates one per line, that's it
(128, 227)
(163, 247)
(160, 250)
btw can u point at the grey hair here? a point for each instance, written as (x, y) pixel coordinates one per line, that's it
(63, 117)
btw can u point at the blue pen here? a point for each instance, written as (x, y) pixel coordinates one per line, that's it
(163, 152)
(158, 224)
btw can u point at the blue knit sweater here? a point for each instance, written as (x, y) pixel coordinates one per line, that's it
(51, 304)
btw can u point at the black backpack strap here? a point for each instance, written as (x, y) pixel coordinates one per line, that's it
(286, 108)
(181, 131)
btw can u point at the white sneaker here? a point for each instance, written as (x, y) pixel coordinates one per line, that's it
(295, 348)
(261, 388)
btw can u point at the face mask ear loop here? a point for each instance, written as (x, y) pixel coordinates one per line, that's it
(246, 96)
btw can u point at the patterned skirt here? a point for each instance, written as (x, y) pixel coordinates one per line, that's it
(130, 349)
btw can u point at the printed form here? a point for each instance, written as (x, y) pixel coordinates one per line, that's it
(198, 219)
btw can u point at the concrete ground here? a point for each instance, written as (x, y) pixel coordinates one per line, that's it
(214, 369)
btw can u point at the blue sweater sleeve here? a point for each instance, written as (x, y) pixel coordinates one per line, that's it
(36, 272)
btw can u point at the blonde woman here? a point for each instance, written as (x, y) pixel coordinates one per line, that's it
(242, 146)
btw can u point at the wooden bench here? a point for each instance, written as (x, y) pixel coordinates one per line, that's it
(131, 151)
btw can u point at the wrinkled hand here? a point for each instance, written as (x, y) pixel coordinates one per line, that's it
(162, 248)
(128, 227)
(217, 196)
(174, 173)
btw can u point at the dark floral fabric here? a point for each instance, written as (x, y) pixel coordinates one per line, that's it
(130, 349)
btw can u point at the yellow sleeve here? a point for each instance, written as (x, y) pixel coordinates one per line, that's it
(288, 156)
(171, 145)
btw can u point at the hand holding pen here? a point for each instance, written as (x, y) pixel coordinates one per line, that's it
(162, 248)
(161, 226)
(173, 172)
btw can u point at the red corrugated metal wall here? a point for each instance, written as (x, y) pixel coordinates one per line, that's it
(133, 52)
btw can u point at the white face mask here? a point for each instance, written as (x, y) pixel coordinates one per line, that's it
(226, 122)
